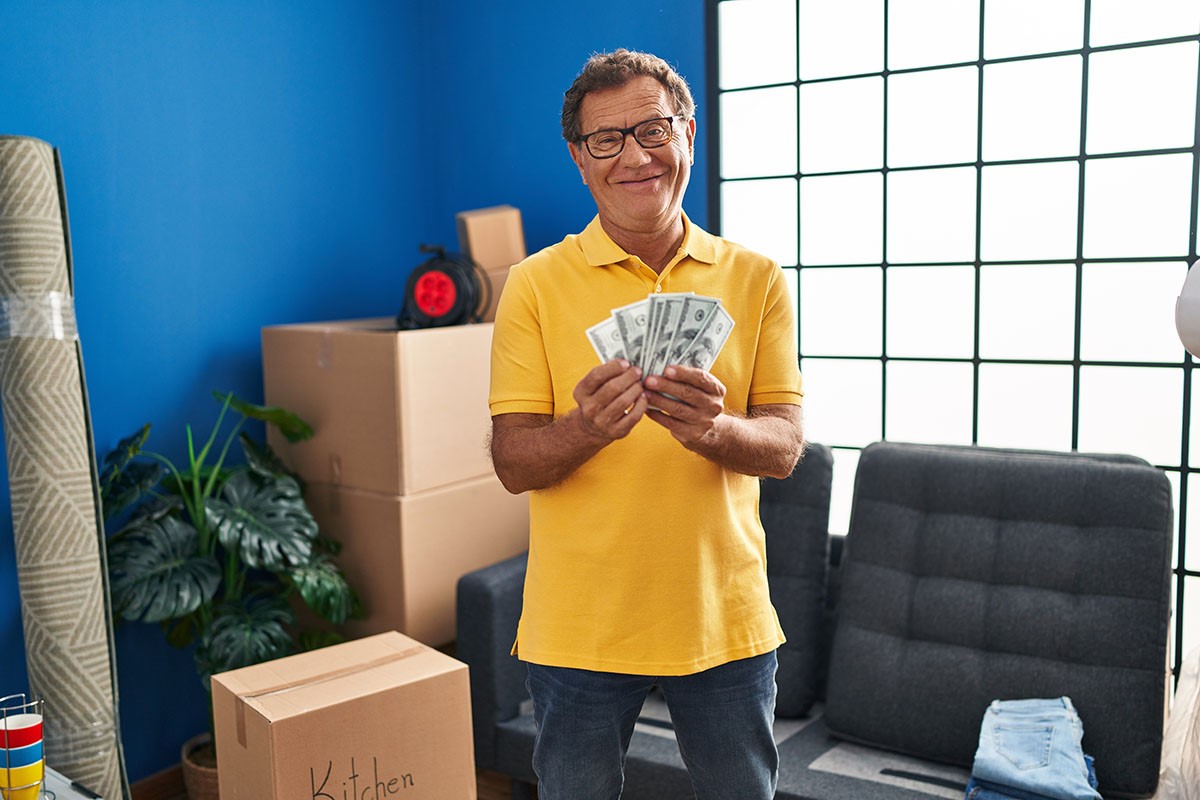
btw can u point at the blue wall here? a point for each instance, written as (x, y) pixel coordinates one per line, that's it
(231, 165)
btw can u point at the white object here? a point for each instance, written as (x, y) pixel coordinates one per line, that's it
(1179, 777)
(1187, 313)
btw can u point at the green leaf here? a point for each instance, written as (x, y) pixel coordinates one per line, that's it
(264, 520)
(122, 480)
(245, 633)
(263, 460)
(324, 589)
(157, 572)
(289, 424)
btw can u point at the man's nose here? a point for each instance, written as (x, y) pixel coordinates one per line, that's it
(633, 153)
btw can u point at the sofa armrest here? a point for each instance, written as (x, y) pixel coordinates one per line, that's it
(489, 605)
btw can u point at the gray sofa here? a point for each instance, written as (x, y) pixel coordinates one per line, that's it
(968, 574)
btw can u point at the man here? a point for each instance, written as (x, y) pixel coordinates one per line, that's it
(647, 561)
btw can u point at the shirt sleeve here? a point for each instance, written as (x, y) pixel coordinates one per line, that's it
(776, 364)
(520, 380)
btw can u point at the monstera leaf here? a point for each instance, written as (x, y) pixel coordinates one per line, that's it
(245, 632)
(264, 520)
(324, 589)
(293, 428)
(158, 572)
(122, 480)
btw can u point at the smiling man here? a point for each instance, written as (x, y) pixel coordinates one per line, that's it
(647, 559)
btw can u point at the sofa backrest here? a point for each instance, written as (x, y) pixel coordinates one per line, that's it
(972, 574)
(795, 516)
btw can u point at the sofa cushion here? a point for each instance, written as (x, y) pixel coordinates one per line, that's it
(795, 516)
(972, 574)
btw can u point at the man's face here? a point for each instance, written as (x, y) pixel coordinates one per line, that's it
(639, 190)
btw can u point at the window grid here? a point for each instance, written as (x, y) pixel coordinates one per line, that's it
(1183, 469)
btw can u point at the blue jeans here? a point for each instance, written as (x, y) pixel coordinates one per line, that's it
(1032, 748)
(722, 719)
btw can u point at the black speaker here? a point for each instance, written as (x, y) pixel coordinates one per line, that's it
(448, 289)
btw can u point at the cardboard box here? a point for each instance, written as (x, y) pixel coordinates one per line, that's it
(494, 239)
(405, 554)
(384, 718)
(395, 412)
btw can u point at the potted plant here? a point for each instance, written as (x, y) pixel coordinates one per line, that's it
(218, 554)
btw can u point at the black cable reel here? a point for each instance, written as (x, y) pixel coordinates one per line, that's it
(448, 289)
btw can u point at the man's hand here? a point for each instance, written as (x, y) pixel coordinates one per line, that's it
(537, 451)
(689, 399)
(610, 399)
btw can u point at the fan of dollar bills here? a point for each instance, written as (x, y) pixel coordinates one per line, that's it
(666, 328)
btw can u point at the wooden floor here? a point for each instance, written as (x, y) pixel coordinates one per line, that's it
(169, 786)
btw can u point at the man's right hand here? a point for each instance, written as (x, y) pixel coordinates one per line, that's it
(611, 399)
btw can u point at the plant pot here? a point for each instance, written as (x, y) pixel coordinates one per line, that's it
(198, 759)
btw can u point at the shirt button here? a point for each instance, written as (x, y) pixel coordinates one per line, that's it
(658, 287)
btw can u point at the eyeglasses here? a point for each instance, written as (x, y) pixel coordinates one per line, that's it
(609, 142)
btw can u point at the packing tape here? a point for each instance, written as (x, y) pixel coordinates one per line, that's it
(320, 677)
(46, 315)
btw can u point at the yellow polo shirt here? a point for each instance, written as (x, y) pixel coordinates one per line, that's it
(648, 559)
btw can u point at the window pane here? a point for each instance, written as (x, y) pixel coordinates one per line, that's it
(1191, 615)
(931, 215)
(841, 311)
(1025, 405)
(842, 401)
(1027, 311)
(841, 125)
(1192, 558)
(842, 38)
(1135, 410)
(933, 117)
(1129, 312)
(1021, 27)
(1116, 21)
(1031, 108)
(931, 311)
(758, 132)
(926, 32)
(929, 402)
(762, 216)
(841, 494)
(841, 219)
(1142, 98)
(756, 41)
(1030, 211)
(1137, 207)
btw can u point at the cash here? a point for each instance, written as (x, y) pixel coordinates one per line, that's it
(664, 329)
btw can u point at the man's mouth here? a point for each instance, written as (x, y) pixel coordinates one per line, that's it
(647, 179)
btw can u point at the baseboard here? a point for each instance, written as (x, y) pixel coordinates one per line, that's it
(165, 785)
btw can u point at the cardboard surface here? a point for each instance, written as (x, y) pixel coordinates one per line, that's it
(395, 412)
(405, 554)
(495, 240)
(380, 718)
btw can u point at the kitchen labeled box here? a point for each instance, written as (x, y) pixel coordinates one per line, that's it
(394, 412)
(404, 554)
(495, 240)
(382, 717)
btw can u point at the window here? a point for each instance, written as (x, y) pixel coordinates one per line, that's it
(986, 212)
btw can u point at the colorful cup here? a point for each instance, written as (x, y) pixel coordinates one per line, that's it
(20, 730)
(15, 781)
(20, 756)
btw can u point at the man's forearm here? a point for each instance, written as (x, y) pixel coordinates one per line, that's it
(530, 451)
(764, 444)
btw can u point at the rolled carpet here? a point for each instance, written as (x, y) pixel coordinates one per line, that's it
(52, 475)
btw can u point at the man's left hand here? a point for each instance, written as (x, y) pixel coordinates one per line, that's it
(688, 401)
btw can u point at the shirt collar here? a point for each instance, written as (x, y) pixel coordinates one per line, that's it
(600, 250)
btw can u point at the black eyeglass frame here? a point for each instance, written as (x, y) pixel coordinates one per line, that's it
(631, 131)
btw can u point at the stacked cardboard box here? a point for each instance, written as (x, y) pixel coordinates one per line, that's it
(379, 717)
(398, 469)
(494, 239)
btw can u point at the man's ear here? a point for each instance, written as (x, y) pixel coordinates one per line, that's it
(691, 139)
(577, 157)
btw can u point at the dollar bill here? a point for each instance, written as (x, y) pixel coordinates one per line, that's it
(606, 340)
(664, 322)
(631, 321)
(708, 343)
(697, 311)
